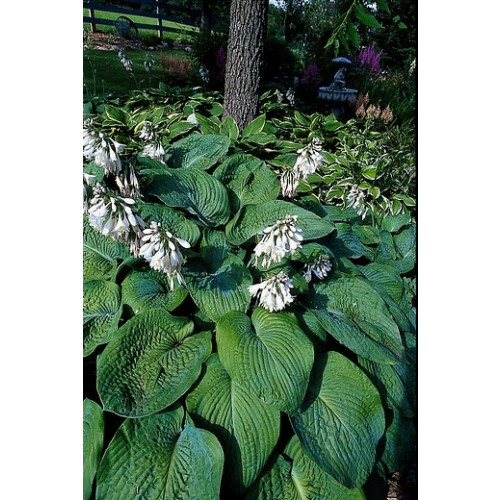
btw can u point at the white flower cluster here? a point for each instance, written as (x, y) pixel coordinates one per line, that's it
(113, 215)
(278, 240)
(274, 293)
(103, 150)
(279, 96)
(320, 267)
(127, 182)
(355, 199)
(204, 74)
(161, 249)
(129, 66)
(148, 62)
(155, 148)
(290, 95)
(309, 159)
(88, 183)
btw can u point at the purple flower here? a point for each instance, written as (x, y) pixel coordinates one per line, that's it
(369, 58)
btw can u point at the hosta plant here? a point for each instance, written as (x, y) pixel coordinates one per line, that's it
(239, 341)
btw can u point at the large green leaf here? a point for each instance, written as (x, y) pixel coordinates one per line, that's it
(248, 180)
(354, 314)
(100, 254)
(386, 277)
(173, 220)
(198, 150)
(220, 292)
(395, 384)
(191, 189)
(341, 420)
(93, 438)
(150, 363)
(151, 290)
(101, 313)
(157, 458)
(253, 219)
(294, 476)
(247, 428)
(400, 446)
(270, 355)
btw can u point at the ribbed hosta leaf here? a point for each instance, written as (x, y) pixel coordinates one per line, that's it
(386, 277)
(157, 458)
(101, 313)
(220, 292)
(198, 150)
(173, 220)
(394, 383)
(400, 446)
(248, 180)
(151, 362)
(247, 428)
(93, 438)
(270, 355)
(191, 189)
(100, 254)
(355, 315)
(294, 476)
(151, 290)
(341, 420)
(252, 219)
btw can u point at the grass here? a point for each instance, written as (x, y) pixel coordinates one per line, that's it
(104, 73)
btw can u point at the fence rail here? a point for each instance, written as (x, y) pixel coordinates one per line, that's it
(160, 11)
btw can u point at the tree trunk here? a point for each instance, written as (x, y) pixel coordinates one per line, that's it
(247, 26)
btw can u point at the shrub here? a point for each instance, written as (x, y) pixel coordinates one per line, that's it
(259, 333)
(178, 70)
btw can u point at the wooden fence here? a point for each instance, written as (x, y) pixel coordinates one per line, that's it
(157, 10)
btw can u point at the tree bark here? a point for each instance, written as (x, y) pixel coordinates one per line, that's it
(247, 26)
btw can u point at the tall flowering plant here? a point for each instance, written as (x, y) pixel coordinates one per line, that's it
(369, 60)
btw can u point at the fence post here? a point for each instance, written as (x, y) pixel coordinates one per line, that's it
(92, 23)
(158, 19)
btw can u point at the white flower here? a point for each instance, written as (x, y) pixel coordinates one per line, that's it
(192, 119)
(273, 294)
(161, 249)
(290, 95)
(278, 240)
(90, 139)
(147, 132)
(127, 182)
(279, 95)
(204, 73)
(355, 199)
(148, 63)
(309, 159)
(154, 150)
(107, 154)
(112, 215)
(289, 183)
(88, 183)
(125, 61)
(320, 267)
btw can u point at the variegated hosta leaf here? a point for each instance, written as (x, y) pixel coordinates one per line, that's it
(294, 476)
(150, 363)
(248, 180)
(173, 220)
(341, 420)
(198, 150)
(191, 189)
(269, 355)
(220, 292)
(101, 313)
(93, 438)
(247, 428)
(157, 457)
(355, 315)
(253, 219)
(151, 290)
(100, 254)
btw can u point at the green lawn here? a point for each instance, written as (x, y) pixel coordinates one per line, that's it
(104, 73)
(167, 36)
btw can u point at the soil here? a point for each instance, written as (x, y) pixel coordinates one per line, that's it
(112, 41)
